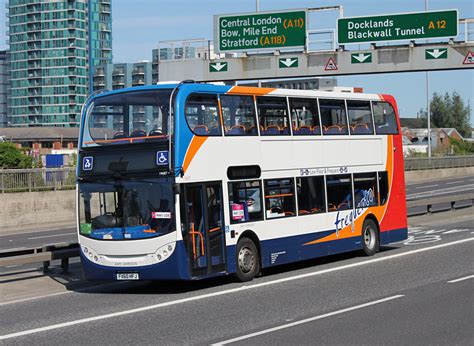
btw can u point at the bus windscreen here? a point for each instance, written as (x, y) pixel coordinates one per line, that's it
(126, 209)
(125, 118)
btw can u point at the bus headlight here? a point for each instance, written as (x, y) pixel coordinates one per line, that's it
(90, 253)
(164, 252)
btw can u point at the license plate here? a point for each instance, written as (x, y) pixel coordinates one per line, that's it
(127, 276)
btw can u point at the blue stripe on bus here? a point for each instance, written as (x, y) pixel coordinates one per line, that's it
(176, 267)
(393, 236)
(291, 249)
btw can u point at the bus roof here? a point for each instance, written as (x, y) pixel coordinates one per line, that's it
(246, 90)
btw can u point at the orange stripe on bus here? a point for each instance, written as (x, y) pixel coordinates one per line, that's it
(193, 148)
(250, 90)
(131, 139)
(281, 195)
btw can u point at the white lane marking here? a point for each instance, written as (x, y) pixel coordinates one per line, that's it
(426, 186)
(461, 279)
(13, 266)
(454, 182)
(229, 291)
(311, 319)
(50, 236)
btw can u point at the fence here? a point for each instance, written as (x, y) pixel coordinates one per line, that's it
(41, 179)
(423, 163)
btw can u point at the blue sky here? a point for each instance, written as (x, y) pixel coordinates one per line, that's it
(138, 26)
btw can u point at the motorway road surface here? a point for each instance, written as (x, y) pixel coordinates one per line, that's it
(420, 291)
(450, 186)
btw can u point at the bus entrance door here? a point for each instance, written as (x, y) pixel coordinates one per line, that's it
(205, 228)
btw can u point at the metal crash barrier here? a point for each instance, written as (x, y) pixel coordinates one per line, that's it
(450, 203)
(45, 254)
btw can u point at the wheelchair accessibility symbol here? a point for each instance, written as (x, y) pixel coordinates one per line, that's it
(87, 163)
(161, 158)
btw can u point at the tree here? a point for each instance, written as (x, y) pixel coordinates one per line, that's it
(12, 157)
(448, 111)
(461, 116)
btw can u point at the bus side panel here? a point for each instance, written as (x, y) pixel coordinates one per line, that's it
(393, 226)
(290, 249)
(174, 268)
(285, 250)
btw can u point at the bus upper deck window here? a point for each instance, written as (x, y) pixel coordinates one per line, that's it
(202, 115)
(333, 117)
(238, 113)
(360, 117)
(273, 116)
(385, 119)
(305, 116)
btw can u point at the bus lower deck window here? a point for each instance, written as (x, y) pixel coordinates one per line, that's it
(245, 201)
(279, 198)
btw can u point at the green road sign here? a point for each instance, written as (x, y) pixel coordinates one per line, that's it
(287, 62)
(218, 66)
(244, 32)
(395, 27)
(361, 58)
(437, 53)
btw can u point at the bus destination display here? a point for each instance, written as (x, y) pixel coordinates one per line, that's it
(260, 31)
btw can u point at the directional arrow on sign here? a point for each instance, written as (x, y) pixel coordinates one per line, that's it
(288, 62)
(437, 53)
(217, 67)
(361, 58)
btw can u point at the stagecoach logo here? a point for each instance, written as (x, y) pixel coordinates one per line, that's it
(319, 171)
(87, 163)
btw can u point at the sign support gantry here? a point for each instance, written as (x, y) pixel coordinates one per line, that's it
(384, 59)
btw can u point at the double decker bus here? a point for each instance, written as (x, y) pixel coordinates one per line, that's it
(187, 181)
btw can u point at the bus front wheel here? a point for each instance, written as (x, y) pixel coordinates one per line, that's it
(247, 260)
(370, 237)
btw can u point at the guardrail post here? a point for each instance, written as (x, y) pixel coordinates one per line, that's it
(65, 265)
(46, 264)
(29, 181)
(3, 186)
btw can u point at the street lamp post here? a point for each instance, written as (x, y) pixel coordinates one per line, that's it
(428, 110)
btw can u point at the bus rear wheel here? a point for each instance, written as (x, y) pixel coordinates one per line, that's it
(247, 260)
(370, 237)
